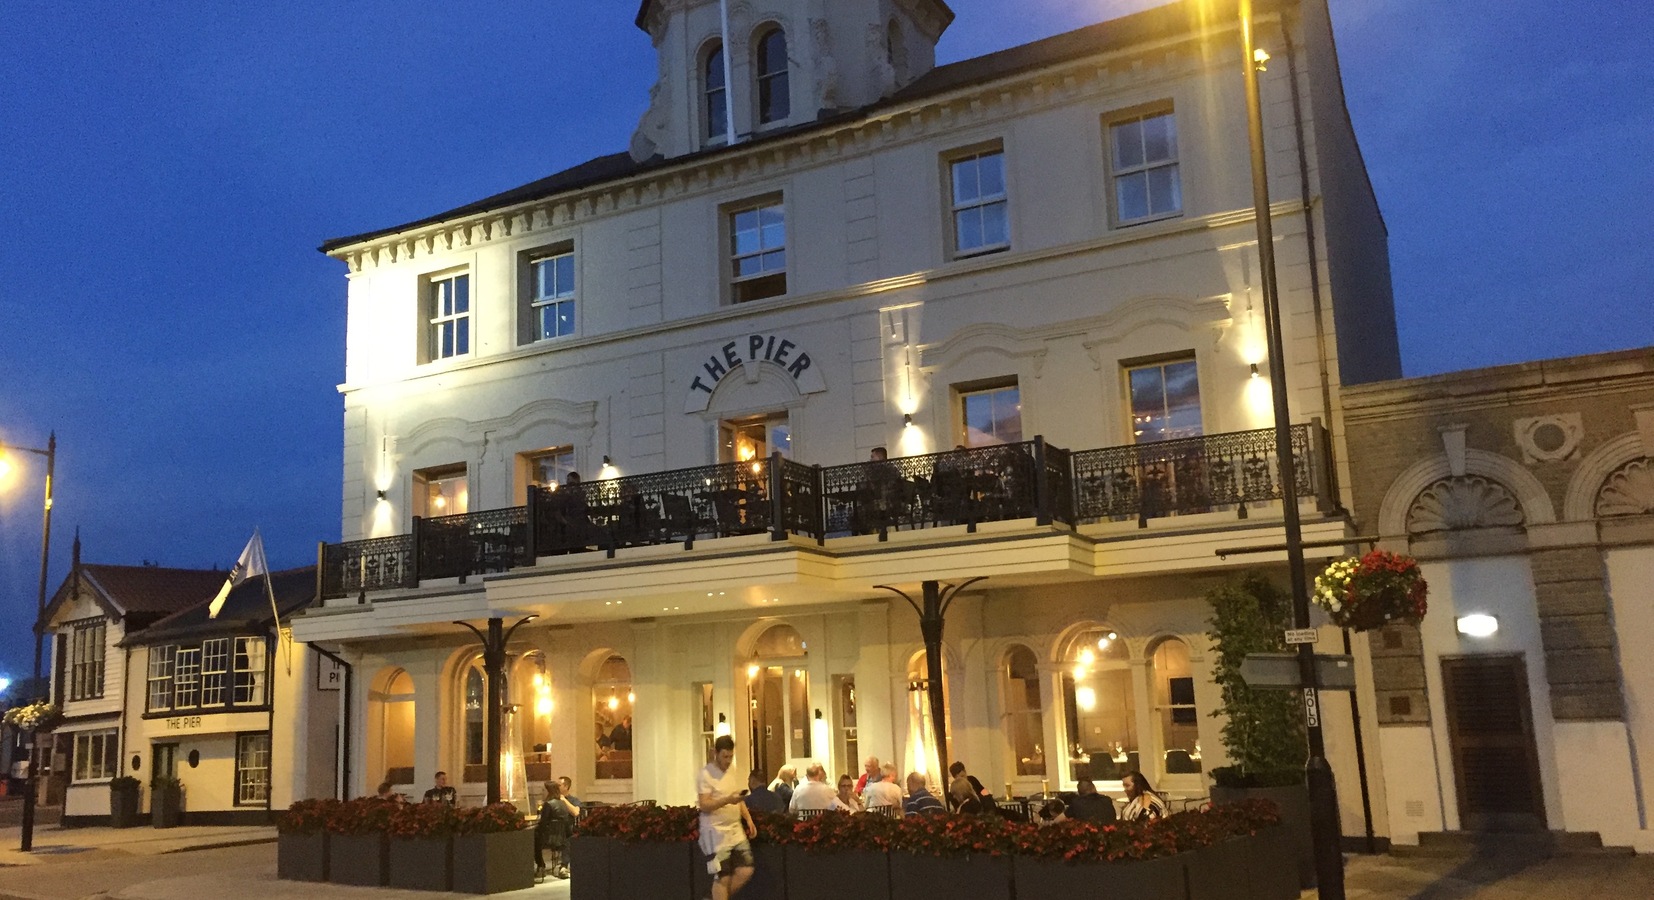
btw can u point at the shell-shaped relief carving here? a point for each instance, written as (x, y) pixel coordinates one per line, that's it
(1463, 501)
(1628, 490)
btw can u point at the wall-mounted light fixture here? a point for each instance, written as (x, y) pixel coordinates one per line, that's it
(381, 495)
(1255, 371)
(722, 728)
(609, 462)
(907, 420)
(1478, 625)
(818, 714)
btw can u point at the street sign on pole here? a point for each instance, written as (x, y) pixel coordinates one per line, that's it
(1336, 672)
(1295, 636)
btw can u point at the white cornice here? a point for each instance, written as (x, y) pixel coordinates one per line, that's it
(968, 106)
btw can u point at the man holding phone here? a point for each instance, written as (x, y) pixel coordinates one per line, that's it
(726, 825)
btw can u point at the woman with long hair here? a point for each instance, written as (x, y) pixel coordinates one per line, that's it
(1145, 804)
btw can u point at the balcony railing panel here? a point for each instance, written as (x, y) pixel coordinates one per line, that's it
(475, 543)
(375, 564)
(1193, 475)
(679, 506)
(957, 487)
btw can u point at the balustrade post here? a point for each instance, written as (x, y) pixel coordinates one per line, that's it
(1042, 484)
(321, 572)
(777, 488)
(417, 530)
(531, 552)
(819, 482)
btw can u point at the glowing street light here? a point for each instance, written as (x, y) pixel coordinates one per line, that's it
(50, 453)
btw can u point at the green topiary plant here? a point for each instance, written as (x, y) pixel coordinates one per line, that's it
(1264, 732)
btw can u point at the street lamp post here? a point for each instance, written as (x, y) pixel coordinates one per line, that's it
(40, 613)
(1323, 791)
(493, 667)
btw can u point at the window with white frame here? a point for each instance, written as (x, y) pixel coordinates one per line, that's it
(716, 110)
(161, 680)
(448, 312)
(441, 491)
(215, 670)
(186, 678)
(549, 467)
(1024, 710)
(758, 250)
(1175, 709)
(96, 755)
(774, 96)
(981, 216)
(252, 769)
(1143, 153)
(86, 650)
(552, 300)
(249, 671)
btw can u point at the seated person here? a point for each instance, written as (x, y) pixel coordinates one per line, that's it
(551, 833)
(441, 792)
(1090, 805)
(883, 794)
(385, 792)
(815, 794)
(919, 800)
(759, 796)
(964, 799)
(1054, 813)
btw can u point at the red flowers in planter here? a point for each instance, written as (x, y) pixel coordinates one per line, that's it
(1368, 592)
(956, 835)
(493, 819)
(306, 816)
(422, 820)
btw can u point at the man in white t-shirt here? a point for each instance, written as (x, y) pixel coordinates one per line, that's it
(884, 792)
(815, 793)
(726, 825)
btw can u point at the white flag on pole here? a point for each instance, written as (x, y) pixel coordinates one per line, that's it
(249, 565)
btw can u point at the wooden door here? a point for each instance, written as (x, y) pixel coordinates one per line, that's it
(1490, 726)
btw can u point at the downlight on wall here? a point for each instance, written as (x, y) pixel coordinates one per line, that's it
(1478, 625)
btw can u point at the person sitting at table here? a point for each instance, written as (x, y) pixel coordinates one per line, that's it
(620, 738)
(919, 800)
(570, 515)
(385, 792)
(883, 492)
(869, 774)
(786, 778)
(847, 794)
(760, 799)
(551, 833)
(1090, 805)
(972, 786)
(1054, 813)
(441, 792)
(963, 799)
(1145, 802)
(883, 795)
(814, 794)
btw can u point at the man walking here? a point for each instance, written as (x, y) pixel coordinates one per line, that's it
(726, 825)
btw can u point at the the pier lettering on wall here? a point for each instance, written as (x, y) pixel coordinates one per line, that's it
(754, 349)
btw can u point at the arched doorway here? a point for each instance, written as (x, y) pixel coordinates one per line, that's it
(1024, 713)
(612, 700)
(1175, 714)
(391, 730)
(778, 698)
(1100, 704)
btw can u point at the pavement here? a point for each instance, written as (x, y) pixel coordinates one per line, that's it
(218, 863)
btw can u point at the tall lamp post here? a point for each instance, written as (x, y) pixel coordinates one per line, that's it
(40, 612)
(1323, 791)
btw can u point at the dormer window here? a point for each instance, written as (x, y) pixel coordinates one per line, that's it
(774, 101)
(712, 76)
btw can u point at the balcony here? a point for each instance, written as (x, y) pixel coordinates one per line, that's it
(1229, 472)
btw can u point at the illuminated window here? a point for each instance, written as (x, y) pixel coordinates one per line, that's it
(474, 724)
(844, 720)
(991, 415)
(778, 691)
(249, 671)
(758, 251)
(1101, 706)
(1165, 400)
(1024, 713)
(754, 438)
(612, 700)
(715, 108)
(549, 467)
(1174, 707)
(441, 491)
(96, 755)
(1145, 171)
(774, 100)
(981, 220)
(86, 650)
(252, 769)
(448, 312)
(707, 715)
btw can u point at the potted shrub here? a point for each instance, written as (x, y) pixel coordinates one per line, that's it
(358, 846)
(301, 840)
(422, 846)
(493, 850)
(166, 802)
(1263, 729)
(123, 802)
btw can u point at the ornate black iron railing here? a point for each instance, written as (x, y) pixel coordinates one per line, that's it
(1209, 473)
(1029, 479)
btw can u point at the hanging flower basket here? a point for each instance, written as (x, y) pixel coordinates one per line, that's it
(1370, 591)
(40, 716)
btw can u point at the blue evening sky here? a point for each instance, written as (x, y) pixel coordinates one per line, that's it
(169, 168)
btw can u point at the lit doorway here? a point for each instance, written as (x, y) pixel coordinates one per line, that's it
(778, 699)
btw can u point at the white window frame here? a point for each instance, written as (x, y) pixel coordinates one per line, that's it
(981, 390)
(87, 649)
(250, 670)
(161, 684)
(714, 98)
(437, 319)
(539, 302)
(252, 769)
(186, 678)
(981, 202)
(1118, 172)
(1127, 368)
(765, 81)
(736, 257)
(97, 756)
(215, 671)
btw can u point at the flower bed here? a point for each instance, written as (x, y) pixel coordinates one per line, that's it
(426, 846)
(919, 857)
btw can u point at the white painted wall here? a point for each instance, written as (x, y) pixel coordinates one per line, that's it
(1631, 590)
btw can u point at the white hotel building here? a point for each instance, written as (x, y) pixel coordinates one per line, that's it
(1046, 256)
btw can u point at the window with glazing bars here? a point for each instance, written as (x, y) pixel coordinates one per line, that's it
(252, 769)
(249, 671)
(161, 677)
(215, 666)
(448, 306)
(86, 660)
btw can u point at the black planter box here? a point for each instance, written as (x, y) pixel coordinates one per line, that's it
(1294, 804)
(123, 806)
(494, 863)
(1157, 879)
(361, 859)
(649, 871)
(166, 808)
(301, 857)
(1273, 866)
(769, 876)
(854, 875)
(947, 878)
(1221, 871)
(422, 864)
(588, 861)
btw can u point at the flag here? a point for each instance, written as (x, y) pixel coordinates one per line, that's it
(250, 564)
